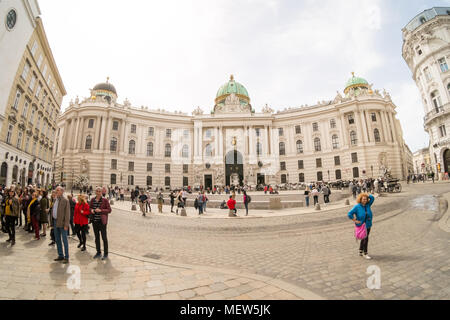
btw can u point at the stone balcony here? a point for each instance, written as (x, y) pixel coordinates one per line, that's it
(436, 113)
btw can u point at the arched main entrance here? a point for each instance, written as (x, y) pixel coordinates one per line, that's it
(447, 160)
(234, 167)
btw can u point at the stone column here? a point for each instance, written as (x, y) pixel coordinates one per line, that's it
(74, 141)
(98, 130)
(123, 138)
(393, 132)
(271, 132)
(343, 138)
(368, 124)
(216, 144)
(364, 126)
(221, 142)
(386, 127)
(266, 141)
(359, 128)
(80, 137)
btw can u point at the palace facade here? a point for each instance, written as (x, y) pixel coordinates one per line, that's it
(355, 135)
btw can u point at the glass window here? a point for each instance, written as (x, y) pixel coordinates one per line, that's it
(337, 160)
(332, 124)
(113, 179)
(168, 133)
(351, 120)
(17, 99)
(258, 149)
(167, 167)
(168, 151)
(298, 129)
(9, 134)
(319, 176)
(338, 174)
(315, 126)
(283, 166)
(185, 168)
(282, 149)
(442, 131)
(33, 82)
(353, 138)
(149, 166)
(133, 128)
(40, 61)
(280, 132)
(25, 109)
(317, 146)
(115, 125)
(354, 157)
(373, 115)
(151, 131)
(335, 141)
(443, 64)
(132, 147)
(300, 164)
(88, 144)
(356, 172)
(301, 177)
(130, 180)
(427, 73)
(167, 181)
(299, 146)
(435, 97)
(130, 166)
(186, 134)
(283, 178)
(91, 124)
(185, 151)
(114, 164)
(208, 133)
(149, 180)
(319, 163)
(150, 149)
(113, 145)
(44, 72)
(258, 132)
(34, 47)
(376, 134)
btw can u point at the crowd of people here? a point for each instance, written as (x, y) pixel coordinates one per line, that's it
(37, 211)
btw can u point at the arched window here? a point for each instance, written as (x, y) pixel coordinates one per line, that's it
(435, 97)
(353, 138)
(299, 146)
(301, 177)
(168, 151)
(338, 175)
(113, 179)
(113, 145)
(149, 181)
(185, 151)
(376, 134)
(317, 146)
(167, 181)
(282, 148)
(258, 148)
(132, 147)
(88, 144)
(335, 141)
(150, 149)
(283, 178)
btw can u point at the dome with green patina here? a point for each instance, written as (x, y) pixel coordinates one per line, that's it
(356, 82)
(232, 87)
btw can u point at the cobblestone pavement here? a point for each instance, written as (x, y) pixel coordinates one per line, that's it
(296, 256)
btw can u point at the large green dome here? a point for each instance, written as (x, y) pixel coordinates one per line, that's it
(232, 87)
(356, 82)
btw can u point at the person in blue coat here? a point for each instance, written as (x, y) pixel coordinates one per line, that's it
(362, 213)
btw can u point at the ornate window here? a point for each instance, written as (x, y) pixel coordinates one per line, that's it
(149, 181)
(168, 151)
(19, 139)
(88, 144)
(17, 99)
(150, 149)
(11, 19)
(130, 180)
(113, 145)
(25, 71)
(151, 131)
(91, 123)
(299, 146)
(9, 134)
(301, 177)
(282, 149)
(315, 126)
(168, 133)
(115, 125)
(185, 151)
(443, 64)
(332, 124)
(335, 141)
(376, 134)
(373, 115)
(298, 130)
(427, 73)
(133, 128)
(338, 174)
(351, 120)
(353, 138)
(132, 147)
(317, 146)
(258, 148)
(113, 179)
(435, 97)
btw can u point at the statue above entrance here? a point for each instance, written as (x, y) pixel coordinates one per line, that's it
(232, 104)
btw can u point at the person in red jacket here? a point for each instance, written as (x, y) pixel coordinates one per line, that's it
(80, 218)
(231, 203)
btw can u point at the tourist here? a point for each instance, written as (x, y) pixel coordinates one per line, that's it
(432, 176)
(25, 202)
(80, 218)
(61, 221)
(315, 195)
(180, 201)
(246, 202)
(122, 194)
(231, 204)
(172, 201)
(100, 209)
(44, 203)
(306, 193)
(34, 213)
(326, 194)
(142, 202)
(132, 195)
(72, 212)
(50, 218)
(184, 197)
(160, 199)
(148, 207)
(200, 203)
(361, 213)
(12, 212)
(205, 200)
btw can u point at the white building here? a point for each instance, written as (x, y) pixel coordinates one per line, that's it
(426, 50)
(355, 135)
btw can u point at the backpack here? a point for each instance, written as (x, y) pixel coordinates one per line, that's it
(196, 203)
(249, 199)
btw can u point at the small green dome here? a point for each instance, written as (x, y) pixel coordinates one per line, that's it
(354, 82)
(232, 87)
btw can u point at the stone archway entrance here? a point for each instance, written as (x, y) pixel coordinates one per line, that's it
(234, 168)
(446, 160)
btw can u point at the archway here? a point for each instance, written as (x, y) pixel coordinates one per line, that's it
(15, 174)
(234, 167)
(30, 174)
(22, 177)
(447, 160)
(3, 173)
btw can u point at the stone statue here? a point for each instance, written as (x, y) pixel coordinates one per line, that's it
(197, 112)
(267, 109)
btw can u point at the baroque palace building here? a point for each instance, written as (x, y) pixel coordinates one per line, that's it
(356, 135)
(31, 93)
(426, 50)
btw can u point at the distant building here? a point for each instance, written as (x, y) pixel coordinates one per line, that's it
(30, 97)
(426, 50)
(422, 161)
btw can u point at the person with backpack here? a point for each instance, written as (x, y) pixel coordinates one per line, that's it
(361, 214)
(247, 200)
(142, 202)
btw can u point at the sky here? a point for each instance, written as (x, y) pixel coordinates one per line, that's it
(174, 55)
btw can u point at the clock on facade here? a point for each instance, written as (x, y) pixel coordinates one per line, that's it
(11, 19)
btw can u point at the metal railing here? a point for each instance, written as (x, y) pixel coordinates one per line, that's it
(442, 110)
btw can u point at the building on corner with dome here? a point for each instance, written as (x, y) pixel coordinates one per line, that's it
(355, 135)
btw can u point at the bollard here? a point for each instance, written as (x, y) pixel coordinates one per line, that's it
(133, 207)
(317, 206)
(347, 202)
(183, 212)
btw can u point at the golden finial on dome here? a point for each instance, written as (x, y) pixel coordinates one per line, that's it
(231, 78)
(107, 79)
(353, 74)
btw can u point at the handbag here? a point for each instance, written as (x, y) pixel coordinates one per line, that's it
(361, 231)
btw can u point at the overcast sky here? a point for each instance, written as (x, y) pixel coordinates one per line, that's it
(174, 55)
